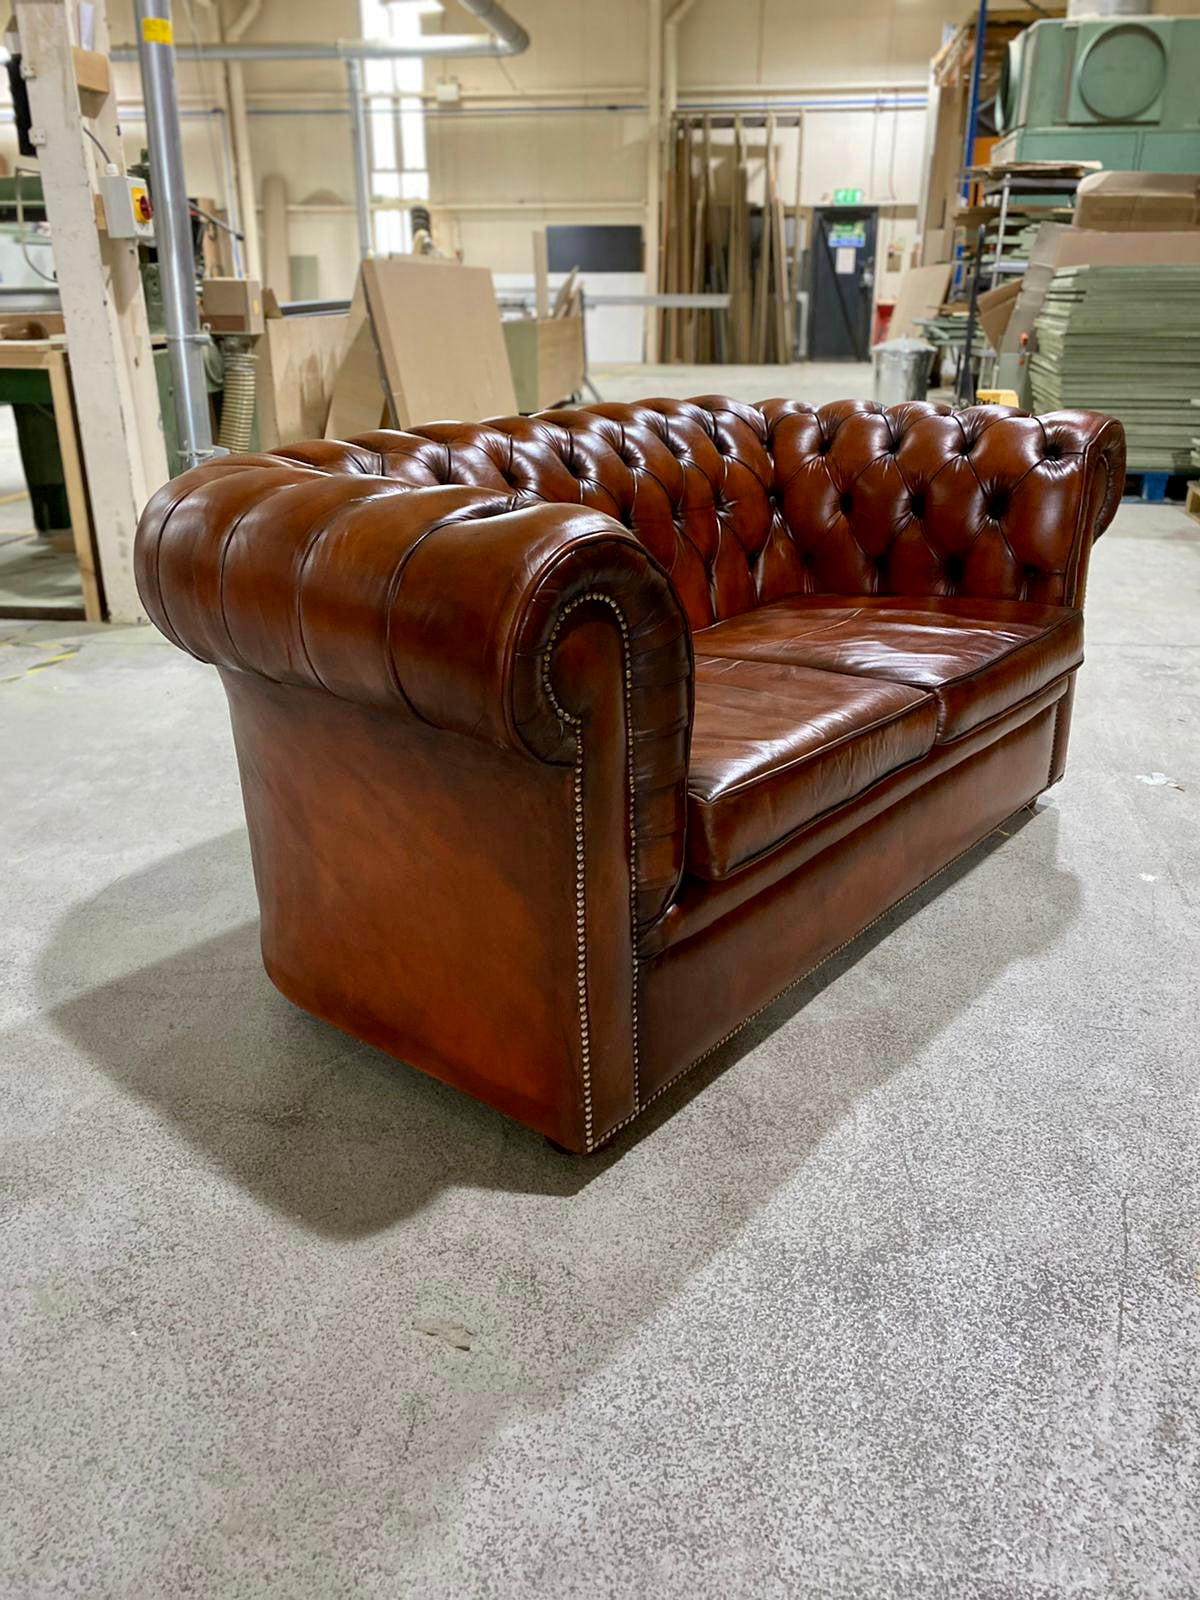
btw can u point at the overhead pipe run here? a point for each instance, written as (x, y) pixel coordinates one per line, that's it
(362, 159)
(173, 230)
(505, 37)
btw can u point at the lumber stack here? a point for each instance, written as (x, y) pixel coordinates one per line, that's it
(1125, 340)
(716, 241)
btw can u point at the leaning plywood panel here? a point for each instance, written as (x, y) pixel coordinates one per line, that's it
(297, 363)
(437, 328)
(922, 291)
(356, 398)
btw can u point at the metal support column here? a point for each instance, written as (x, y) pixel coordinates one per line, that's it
(173, 230)
(973, 97)
(362, 163)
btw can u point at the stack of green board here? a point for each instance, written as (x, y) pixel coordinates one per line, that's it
(1125, 340)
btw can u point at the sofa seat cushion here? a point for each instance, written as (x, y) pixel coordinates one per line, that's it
(773, 746)
(979, 657)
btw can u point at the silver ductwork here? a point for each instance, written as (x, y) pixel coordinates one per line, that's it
(1079, 10)
(505, 37)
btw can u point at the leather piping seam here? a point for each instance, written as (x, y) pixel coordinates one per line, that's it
(581, 966)
(816, 967)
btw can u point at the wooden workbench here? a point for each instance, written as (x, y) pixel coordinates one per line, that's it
(50, 356)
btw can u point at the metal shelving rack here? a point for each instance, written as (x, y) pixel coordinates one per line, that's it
(1028, 192)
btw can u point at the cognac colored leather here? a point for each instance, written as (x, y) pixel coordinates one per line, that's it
(975, 656)
(774, 746)
(567, 742)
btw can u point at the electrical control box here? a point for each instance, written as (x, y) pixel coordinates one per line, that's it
(128, 213)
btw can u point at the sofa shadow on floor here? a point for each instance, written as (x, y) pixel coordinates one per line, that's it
(339, 1137)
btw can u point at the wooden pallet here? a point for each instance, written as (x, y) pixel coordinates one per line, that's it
(1192, 503)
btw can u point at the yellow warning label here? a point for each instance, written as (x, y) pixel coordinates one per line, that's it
(157, 30)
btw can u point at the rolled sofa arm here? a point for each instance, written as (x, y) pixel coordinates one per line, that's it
(449, 604)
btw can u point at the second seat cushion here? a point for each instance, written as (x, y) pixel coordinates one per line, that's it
(979, 657)
(773, 746)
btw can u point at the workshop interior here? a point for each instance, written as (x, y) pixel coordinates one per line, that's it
(599, 606)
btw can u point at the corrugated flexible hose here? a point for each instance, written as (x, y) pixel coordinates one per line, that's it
(237, 403)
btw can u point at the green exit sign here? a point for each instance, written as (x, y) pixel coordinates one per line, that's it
(847, 197)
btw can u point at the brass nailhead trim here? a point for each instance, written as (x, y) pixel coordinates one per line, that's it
(581, 964)
(1054, 739)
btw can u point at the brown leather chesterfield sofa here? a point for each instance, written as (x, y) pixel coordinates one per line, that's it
(569, 742)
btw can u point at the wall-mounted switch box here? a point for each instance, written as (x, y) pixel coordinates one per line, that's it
(128, 213)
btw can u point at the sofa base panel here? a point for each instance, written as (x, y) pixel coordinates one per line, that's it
(697, 994)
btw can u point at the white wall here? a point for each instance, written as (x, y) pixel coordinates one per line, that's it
(529, 153)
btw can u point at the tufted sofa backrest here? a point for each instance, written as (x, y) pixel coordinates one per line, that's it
(745, 504)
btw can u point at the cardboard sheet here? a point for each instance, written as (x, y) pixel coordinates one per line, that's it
(1119, 202)
(995, 307)
(1082, 247)
(922, 291)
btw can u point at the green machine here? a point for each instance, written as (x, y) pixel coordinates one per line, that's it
(1124, 91)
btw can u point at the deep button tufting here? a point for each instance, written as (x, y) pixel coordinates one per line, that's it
(845, 501)
(997, 504)
(954, 567)
(903, 515)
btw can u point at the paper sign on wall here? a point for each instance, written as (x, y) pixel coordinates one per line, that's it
(845, 257)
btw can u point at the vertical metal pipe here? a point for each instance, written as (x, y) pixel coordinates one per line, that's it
(973, 98)
(173, 230)
(233, 206)
(362, 164)
(654, 171)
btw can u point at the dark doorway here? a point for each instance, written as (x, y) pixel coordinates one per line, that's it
(843, 281)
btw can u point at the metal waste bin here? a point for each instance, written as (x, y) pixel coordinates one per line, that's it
(902, 368)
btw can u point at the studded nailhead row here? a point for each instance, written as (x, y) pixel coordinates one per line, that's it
(581, 961)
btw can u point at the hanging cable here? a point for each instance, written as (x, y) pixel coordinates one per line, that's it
(108, 160)
(29, 262)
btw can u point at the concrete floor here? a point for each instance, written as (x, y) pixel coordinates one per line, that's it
(899, 1296)
(815, 381)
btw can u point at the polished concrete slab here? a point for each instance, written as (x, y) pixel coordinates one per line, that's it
(818, 382)
(897, 1297)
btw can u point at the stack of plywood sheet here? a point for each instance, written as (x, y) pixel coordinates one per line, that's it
(716, 242)
(1126, 340)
